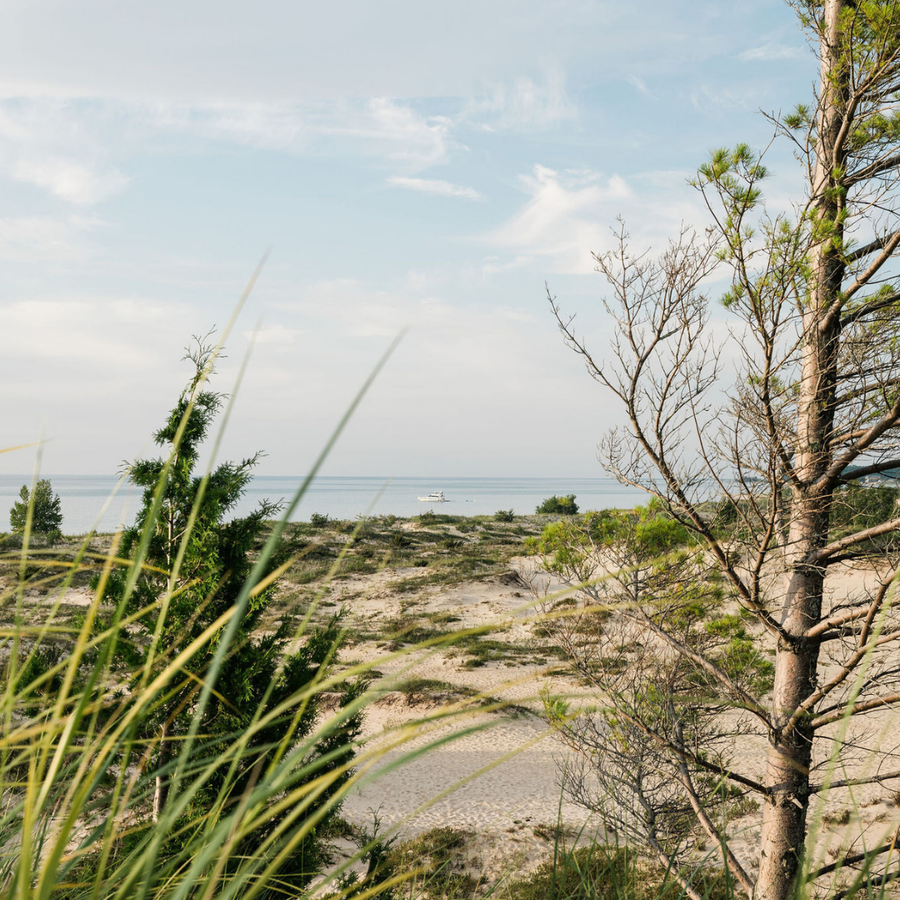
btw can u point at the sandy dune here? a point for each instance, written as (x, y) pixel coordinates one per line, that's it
(503, 779)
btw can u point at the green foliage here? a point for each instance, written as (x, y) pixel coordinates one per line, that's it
(431, 865)
(319, 520)
(46, 512)
(40, 677)
(569, 547)
(799, 118)
(596, 872)
(858, 507)
(419, 689)
(739, 656)
(506, 515)
(192, 565)
(734, 175)
(644, 587)
(562, 506)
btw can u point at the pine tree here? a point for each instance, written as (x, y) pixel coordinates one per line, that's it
(814, 410)
(193, 564)
(46, 513)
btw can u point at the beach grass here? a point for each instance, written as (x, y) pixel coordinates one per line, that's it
(78, 775)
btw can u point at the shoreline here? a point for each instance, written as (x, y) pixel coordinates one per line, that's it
(338, 497)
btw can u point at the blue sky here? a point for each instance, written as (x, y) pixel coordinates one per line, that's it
(413, 165)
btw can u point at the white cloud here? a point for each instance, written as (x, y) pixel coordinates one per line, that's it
(68, 179)
(403, 134)
(717, 99)
(517, 315)
(525, 105)
(561, 223)
(469, 340)
(279, 126)
(379, 126)
(639, 84)
(58, 147)
(493, 265)
(469, 386)
(95, 374)
(67, 330)
(205, 50)
(43, 239)
(568, 215)
(434, 186)
(66, 147)
(772, 51)
(275, 335)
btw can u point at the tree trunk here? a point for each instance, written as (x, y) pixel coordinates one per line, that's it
(787, 777)
(161, 792)
(796, 660)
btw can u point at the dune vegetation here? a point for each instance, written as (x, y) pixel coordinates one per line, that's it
(695, 698)
(203, 706)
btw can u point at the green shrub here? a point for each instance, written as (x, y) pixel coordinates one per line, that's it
(11, 541)
(858, 507)
(561, 506)
(437, 859)
(597, 872)
(505, 515)
(399, 540)
(588, 873)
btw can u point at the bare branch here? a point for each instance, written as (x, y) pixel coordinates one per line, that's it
(862, 706)
(871, 247)
(731, 860)
(854, 782)
(820, 556)
(873, 469)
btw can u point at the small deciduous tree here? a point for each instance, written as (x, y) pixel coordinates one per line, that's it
(652, 636)
(46, 509)
(815, 408)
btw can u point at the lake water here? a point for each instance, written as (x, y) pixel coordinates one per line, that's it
(90, 501)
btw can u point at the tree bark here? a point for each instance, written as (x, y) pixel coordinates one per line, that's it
(796, 659)
(787, 777)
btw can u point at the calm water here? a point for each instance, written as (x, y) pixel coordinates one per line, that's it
(85, 496)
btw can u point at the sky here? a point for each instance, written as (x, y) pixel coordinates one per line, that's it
(424, 168)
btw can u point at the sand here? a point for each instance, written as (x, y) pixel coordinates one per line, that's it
(503, 780)
(503, 774)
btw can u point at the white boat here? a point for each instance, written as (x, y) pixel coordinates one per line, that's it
(434, 497)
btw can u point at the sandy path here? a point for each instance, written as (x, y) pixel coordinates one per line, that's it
(504, 774)
(490, 780)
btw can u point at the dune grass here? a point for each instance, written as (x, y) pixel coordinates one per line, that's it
(78, 771)
(81, 749)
